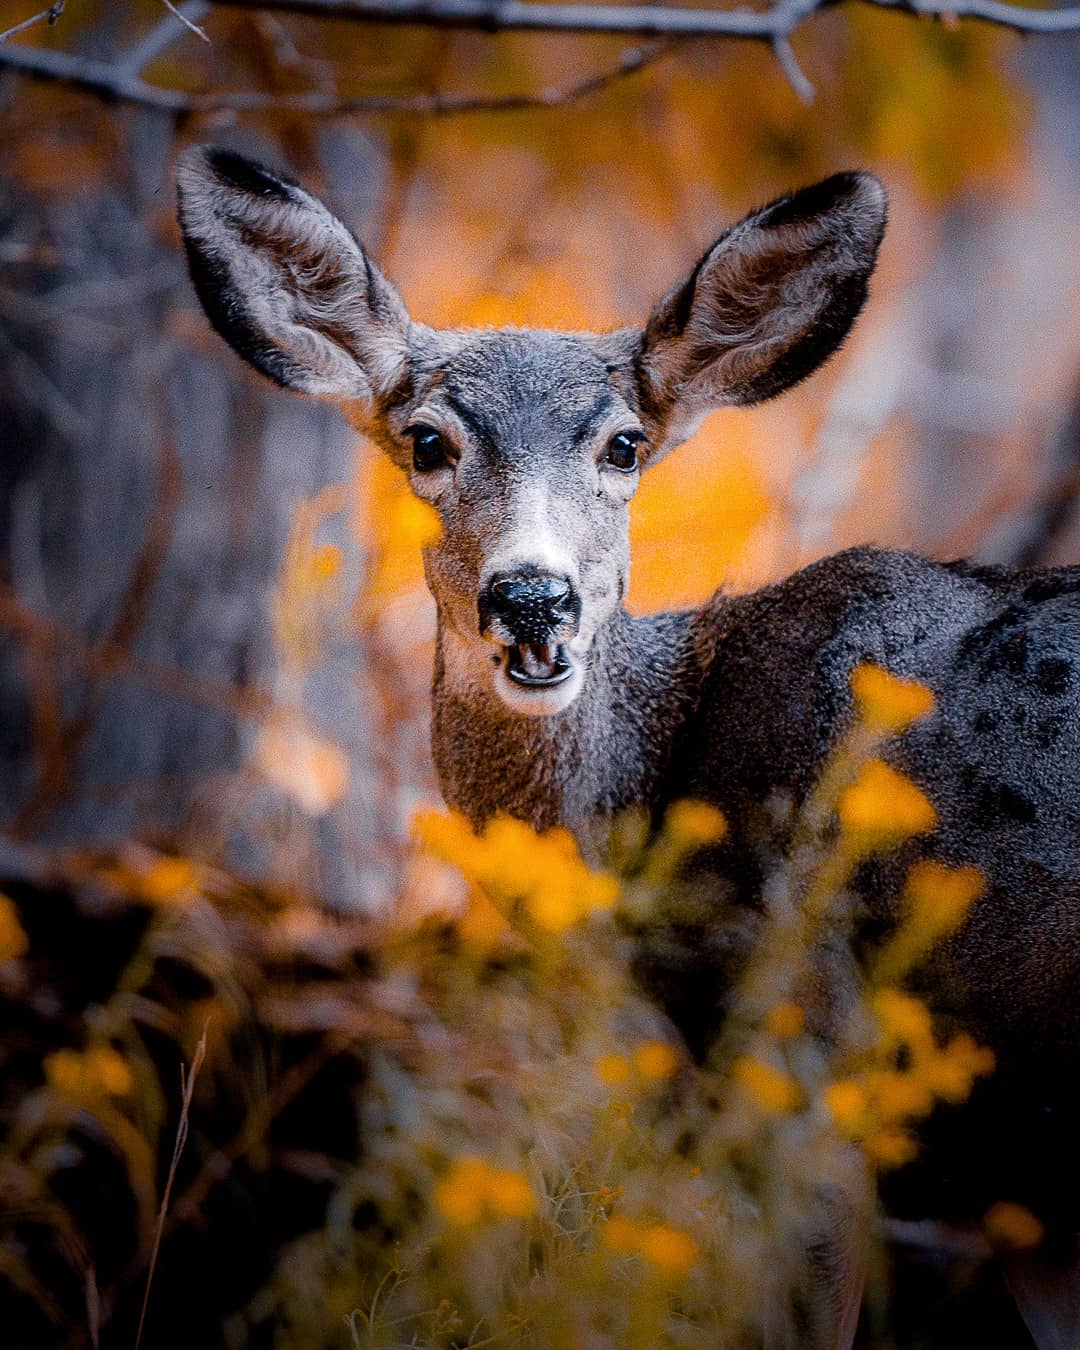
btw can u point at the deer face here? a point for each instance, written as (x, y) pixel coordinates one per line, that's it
(529, 444)
(524, 444)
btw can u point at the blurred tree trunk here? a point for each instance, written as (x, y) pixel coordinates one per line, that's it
(147, 485)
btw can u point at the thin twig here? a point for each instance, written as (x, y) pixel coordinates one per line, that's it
(791, 70)
(648, 20)
(188, 23)
(187, 1089)
(49, 15)
(118, 82)
(161, 37)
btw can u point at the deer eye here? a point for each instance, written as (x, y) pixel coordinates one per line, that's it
(622, 452)
(430, 451)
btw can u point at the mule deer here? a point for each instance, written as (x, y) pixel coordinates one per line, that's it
(552, 703)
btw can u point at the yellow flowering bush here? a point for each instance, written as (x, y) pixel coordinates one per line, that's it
(473, 1190)
(669, 1251)
(99, 1071)
(540, 1161)
(544, 875)
(903, 1074)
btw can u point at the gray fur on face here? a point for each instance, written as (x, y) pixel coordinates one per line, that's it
(528, 416)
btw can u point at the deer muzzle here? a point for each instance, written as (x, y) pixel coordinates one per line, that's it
(532, 615)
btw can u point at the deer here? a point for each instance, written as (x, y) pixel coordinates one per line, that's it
(555, 705)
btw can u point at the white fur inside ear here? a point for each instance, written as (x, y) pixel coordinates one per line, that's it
(286, 284)
(772, 300)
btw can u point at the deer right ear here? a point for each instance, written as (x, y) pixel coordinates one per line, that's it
(769, 302)
(285, 283)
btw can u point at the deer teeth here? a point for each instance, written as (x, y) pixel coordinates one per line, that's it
(538, 663)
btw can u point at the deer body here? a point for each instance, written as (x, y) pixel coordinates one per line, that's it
(741, 701)
(553, 704)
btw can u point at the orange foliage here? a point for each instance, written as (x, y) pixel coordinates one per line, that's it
(695, 516)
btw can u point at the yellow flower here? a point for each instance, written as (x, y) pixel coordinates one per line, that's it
(13, 940)
(621, 1235)
(903, 1018)
(474, 1190)
(668, 1249)
(509, 1194)
(544, 873)
(693, 824)
(785, 1021)
(99, 1072)
(846, 1102)
(899, 1096)
(1010, 1225)
(773, 1091)
(937, 899)
(612, 1070)
(882, 808)
(889, 1147)
(446, 834)
(169, 881)
(950, 1073)
(655, 1060)
(887, 702)
(459, 1196)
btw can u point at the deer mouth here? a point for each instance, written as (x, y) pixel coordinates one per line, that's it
(538, 665)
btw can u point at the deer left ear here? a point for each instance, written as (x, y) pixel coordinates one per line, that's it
(772, 299)
(286, 284)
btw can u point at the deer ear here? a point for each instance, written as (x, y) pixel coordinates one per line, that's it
(285, 283)
(769, 302)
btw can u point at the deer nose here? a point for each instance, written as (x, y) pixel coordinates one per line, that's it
(530, 607)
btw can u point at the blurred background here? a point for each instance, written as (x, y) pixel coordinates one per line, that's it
(213, 630)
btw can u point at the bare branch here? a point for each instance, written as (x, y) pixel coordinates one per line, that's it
(792, 71)
(49, 15)
(120, 82)
(189, 24)
(650, 20)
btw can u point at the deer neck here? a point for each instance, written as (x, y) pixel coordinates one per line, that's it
(617, 745)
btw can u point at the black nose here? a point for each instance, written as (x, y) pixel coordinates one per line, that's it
(531, 606)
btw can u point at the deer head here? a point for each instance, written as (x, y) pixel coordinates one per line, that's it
(528, 443)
